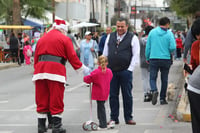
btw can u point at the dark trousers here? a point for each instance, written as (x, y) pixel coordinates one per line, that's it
(178, 53)
(101, 114)
(162, 65)
(21, 56)
(194, 99)
(123, 80)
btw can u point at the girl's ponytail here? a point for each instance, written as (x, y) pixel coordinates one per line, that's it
(103, 61)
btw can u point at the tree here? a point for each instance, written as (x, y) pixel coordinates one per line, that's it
(16, 12)
(186, 8)
(10, 9)
(6, 10)
(36, 8)
(16, 16)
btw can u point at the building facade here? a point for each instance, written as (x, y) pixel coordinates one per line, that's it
(75, 11)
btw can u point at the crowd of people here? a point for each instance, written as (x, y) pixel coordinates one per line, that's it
(117, 53)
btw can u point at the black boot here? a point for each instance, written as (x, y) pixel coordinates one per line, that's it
(41, 125)
(50, 123)
(57, 125)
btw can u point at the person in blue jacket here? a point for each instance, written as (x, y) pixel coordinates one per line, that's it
(160, 45)
(103, 39)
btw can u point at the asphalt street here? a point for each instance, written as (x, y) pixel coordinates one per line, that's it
(18, 115)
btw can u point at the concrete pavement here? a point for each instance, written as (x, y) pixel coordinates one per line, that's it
(7, 65)
(149, 118)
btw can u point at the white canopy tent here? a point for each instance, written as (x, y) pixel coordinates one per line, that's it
(84, 24)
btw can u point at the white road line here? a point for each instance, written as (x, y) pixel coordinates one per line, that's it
(73, 88)
(66, 90)
(17, 125)
(5, 101)
(6, 131)
(29, 107)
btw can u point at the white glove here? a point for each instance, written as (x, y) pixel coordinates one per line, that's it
(83, 69)
(86, 71)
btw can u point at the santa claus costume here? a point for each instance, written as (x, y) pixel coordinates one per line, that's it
(51, 53)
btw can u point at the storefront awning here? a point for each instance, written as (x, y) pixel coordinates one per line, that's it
(25, 27)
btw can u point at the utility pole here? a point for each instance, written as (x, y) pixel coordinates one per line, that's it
(67, 10)
(107, 12)
(119, 6)
(53, 14)
(135, 15)
(93, 15)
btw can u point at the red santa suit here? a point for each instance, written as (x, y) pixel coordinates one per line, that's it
(50, 76)
(52, 51)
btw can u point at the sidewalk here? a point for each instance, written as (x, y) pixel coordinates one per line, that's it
(7, 65)
(183, 109)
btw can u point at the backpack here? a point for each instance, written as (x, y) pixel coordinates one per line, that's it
(29, 53)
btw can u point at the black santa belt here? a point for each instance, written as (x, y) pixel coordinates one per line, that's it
(52, 58)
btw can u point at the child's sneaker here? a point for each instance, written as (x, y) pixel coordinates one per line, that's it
(101, 129)
(111, 124)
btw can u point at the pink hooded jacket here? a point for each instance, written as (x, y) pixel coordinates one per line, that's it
(101, 83)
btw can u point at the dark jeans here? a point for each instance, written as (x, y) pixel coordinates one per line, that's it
(121, 79)
(101, 113)
(194, 99)
(163, 65)
(178, 52)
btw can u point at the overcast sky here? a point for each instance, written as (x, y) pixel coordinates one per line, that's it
(159, 3)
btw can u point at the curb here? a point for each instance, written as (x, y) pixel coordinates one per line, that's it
(183, 109)
(8, 65)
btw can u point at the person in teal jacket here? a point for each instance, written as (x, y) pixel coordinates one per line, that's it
(160, 45)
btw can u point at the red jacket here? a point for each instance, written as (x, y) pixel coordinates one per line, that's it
(57, 44)
(101, 83)
(179, 43)
(194, 61)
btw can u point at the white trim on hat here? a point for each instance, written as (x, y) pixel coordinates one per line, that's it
(61, 26)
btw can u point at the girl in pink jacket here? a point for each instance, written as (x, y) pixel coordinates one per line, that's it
(100, 79)
(27, 51)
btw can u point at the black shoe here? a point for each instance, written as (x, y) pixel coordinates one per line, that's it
(147, 98)
(57, 125)
(154, 97)
(162, 102)
(149, 95)
(41, 125)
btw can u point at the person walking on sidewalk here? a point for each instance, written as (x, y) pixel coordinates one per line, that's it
(179, 47)
(145, 66)
(101, 78)
(194, 84)
(195, 49)
(51, 53)
(14, 47)
(88, 47)
(188, 41)
(122, 49)
(103, 39)
(27, 51)
(194, 98)
(160, 45)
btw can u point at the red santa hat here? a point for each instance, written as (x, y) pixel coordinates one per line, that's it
(60, 24)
